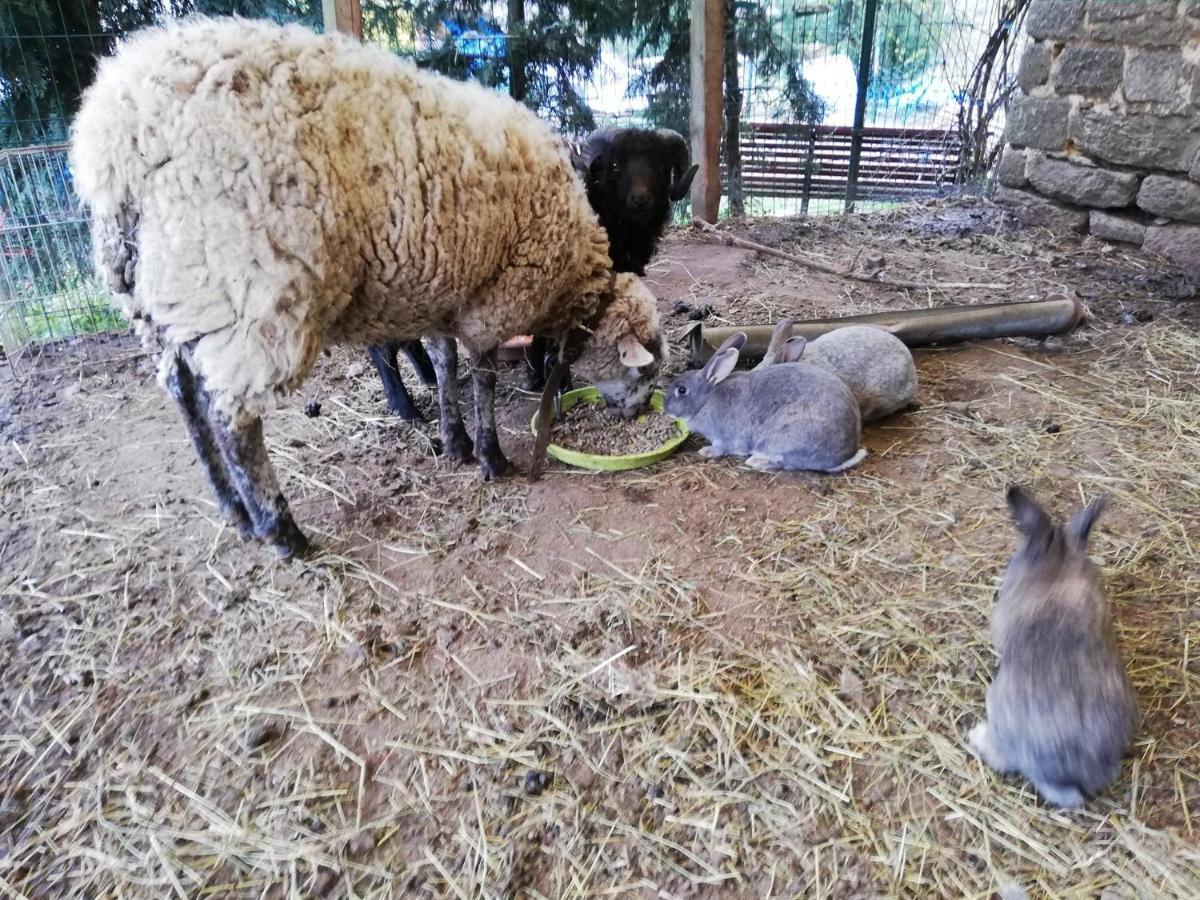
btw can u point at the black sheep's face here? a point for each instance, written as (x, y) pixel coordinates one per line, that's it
(638, 181)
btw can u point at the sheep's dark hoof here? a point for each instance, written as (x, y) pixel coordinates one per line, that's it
(290, 542)
(457, 446)
(493, 464)
(407, 413)
(235, 515)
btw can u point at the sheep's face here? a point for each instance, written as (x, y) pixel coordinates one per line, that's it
(624, 372)
(633, 175)
(625, 352)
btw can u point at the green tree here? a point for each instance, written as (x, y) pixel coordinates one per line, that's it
(49, 48)
(907, 35)
(757, 34)
(540, 54)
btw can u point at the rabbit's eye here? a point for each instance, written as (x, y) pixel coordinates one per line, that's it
(680, 391)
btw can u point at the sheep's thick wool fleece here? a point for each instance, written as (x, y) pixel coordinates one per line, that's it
(292, 190)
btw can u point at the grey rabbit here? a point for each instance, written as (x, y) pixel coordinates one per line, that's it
(875, 364)
(786, 416)
(1060, 710)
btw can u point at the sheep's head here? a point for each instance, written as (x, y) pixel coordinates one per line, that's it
(626, 350)
(635, 174)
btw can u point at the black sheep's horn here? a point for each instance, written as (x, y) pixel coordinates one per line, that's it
(593, 146)
(682, 173)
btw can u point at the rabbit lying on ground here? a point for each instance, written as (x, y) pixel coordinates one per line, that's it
(787, 416)
(1060, 710)
(875, 364)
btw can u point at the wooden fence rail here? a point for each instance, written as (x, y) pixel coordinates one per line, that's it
(814, 162)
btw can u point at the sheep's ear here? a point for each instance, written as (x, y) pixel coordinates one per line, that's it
(723, 362)
(794, 349)
(1029, 516)
(633, 353)
(1081, 523)
(680, 188)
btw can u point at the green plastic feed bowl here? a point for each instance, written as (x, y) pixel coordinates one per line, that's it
(599, 462)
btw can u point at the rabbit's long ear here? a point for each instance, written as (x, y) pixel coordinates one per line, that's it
(794, 349)
(722, 363)
(1080, 525)
(737, 340)
(779, 337)
(1026, 512)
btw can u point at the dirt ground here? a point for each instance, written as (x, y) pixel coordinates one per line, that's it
(692, 680)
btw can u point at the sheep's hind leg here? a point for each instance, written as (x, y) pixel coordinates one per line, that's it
(252, 474)
(415, 351)
(192, 400)
(455, 442)
(399, 402)
(487, 444)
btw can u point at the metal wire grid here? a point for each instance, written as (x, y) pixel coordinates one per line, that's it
(924, 51)
(47, 289)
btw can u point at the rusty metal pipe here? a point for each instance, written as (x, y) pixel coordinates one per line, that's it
(916, 327)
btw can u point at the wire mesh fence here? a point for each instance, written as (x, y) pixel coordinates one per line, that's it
(827, 104)
(47, 289)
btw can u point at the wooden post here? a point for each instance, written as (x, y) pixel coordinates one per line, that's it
(707, 65)
(344, 16)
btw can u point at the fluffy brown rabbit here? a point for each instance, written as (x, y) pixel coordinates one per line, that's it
(1060, 710)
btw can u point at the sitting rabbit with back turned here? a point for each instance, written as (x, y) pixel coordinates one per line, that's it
(1060, 710)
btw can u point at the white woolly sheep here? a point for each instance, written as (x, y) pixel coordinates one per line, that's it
(259, 192)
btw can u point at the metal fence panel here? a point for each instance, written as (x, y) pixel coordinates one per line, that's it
(47, 289)
(803, 74)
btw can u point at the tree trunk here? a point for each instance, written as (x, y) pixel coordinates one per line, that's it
(733, 115)
(516, 49)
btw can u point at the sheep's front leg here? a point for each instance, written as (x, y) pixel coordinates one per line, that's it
(455, 442)
(187, 389)
(487, 443)
(399, 402)
(251, 472)
(535, 363)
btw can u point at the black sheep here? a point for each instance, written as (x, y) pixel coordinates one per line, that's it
(632, 176)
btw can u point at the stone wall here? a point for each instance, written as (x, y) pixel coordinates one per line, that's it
(1103, 134)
